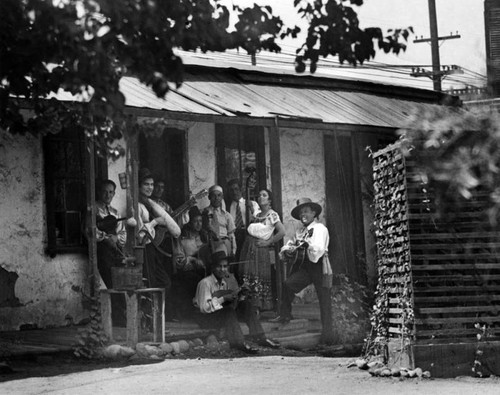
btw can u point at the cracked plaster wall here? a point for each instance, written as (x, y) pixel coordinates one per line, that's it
(302, 171)
(201, 158)
(46, 288)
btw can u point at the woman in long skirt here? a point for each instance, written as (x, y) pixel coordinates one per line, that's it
(264, 231)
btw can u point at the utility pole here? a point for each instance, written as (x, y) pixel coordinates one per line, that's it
(436, 65)
(437, 74)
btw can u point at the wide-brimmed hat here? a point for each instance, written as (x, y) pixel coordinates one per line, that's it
(303, 202)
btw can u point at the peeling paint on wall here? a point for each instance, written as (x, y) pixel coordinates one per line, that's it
(7, 288)
(115, 167)
(202, 159)
(302, 171)
(43, 285)
(49, 290)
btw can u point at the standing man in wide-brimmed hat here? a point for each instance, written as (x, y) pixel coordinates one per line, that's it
(309, 247)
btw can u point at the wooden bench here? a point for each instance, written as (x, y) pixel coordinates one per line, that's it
(132, 298)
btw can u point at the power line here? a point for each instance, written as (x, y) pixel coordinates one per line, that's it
(371, 70)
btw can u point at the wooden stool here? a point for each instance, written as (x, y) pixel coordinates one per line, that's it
(133, 320)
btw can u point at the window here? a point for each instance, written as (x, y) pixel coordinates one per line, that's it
(65, 190)
(240, 147)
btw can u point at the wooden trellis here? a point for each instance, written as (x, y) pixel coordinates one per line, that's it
(439, 276)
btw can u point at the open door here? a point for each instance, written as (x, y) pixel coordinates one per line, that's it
(344, 208)
(165, 155)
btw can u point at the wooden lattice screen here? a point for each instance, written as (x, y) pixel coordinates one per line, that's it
(439, 275)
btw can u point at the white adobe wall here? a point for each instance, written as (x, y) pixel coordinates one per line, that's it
(302, 171)
(202, 158)
(115, 167)
(48, 289)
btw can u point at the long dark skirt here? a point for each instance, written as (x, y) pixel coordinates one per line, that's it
(256, 272)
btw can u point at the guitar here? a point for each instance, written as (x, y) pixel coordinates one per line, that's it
(161, 231)
(296, 253)
(239, 293)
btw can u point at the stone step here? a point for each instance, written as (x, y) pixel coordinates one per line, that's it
(190, 331)
(275, 330)
(308, 311)
(302, 341)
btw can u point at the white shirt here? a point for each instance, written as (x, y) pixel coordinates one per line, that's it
(204, 300)
(243, 208)
(103, 211)
(316, 235)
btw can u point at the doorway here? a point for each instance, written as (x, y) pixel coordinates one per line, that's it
(344, 208)
(164, 154)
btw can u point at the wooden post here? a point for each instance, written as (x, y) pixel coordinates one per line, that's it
(275, 158)
(107, 323)
(158, 316)
(132, 318)
(91, 214)
(131, 138)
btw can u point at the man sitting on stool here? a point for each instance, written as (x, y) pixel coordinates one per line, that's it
(221, 303)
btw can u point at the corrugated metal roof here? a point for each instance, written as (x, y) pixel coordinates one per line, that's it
(139, 95)
(227, 93)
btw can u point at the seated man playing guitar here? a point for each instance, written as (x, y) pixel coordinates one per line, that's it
(221, 302)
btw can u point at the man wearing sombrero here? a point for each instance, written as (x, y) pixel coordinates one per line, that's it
(307, 252)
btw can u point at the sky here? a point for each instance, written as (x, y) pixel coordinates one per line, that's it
(463, 17)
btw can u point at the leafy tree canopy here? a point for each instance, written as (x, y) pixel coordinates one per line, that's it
(455, 155)
(85, 46)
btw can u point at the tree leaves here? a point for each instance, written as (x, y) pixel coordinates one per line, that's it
(457, 153)
(334, 31)
(86, 46)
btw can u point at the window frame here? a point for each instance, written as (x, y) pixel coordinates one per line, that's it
(225, 137)
(54, 245)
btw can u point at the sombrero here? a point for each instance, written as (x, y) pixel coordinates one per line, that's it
(303, 202)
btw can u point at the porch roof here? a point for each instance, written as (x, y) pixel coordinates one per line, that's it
(250, 94)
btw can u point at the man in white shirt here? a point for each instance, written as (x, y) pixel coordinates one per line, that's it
(218, 222)
(220, 303)
(238, 209)
(308, 247)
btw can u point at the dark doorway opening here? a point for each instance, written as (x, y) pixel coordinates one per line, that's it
(344, 209)
(164, 154)
(240, 147)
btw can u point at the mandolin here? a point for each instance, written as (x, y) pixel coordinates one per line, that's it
(108, 224)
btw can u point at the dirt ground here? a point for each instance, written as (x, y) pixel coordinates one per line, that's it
(48, 366)
(216, 371)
